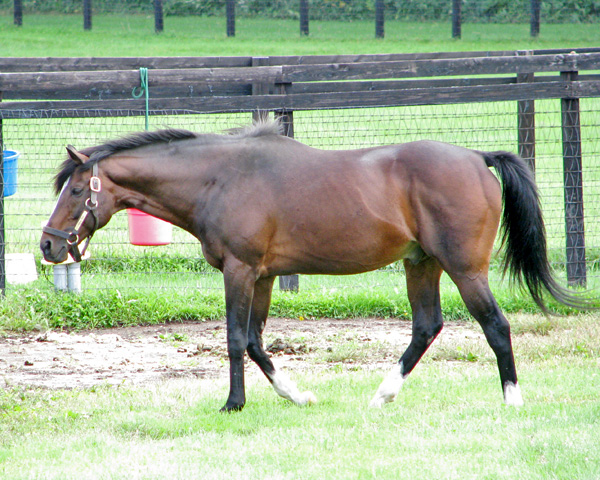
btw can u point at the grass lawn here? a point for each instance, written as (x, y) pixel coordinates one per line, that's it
(133, 35)
(447, 423)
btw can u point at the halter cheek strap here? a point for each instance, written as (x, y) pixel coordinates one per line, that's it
(91, 203)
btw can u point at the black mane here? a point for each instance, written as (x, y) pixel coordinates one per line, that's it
(142, 139)
(111, 147)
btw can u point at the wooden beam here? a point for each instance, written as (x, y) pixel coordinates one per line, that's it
(54, 64)
(314, 101)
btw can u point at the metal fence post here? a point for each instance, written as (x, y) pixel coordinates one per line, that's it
(573, 184)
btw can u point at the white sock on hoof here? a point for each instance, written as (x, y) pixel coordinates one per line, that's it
(287, 389)
(389, 388)
(512, 395)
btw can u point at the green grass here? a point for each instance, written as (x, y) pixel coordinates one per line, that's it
(133, 35)
(38, 307)
(448, 423)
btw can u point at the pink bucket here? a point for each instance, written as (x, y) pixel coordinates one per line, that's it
(146, 230)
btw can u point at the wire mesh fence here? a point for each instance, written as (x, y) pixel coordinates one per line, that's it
(117, 264)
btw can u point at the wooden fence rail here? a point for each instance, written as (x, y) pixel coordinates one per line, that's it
(77, 87)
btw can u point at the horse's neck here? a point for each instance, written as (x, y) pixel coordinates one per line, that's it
(154, 184)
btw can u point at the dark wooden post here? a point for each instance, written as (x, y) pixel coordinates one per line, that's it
(573, 184)
(159, 23)
(2, 236)
(535, 17)
(260, 88)
(456, 18)
(379, 18)
(287, 282)
(18, 12)
(526, 125)
(303, 17)
(87, 14)
(230, 11)
(526, 120)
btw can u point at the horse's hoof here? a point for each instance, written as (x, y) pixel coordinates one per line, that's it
(231, 408)
(308, 398)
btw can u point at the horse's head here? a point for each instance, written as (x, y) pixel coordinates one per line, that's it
(81, 209)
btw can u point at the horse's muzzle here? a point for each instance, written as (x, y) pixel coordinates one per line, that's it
(53, 252)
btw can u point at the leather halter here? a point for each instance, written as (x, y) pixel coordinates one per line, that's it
(91, 203)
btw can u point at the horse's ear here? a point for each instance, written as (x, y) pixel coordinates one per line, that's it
(76, 156)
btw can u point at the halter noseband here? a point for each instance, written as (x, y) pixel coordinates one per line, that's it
(91, 203)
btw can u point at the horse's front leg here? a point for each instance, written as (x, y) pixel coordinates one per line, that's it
(258, 318)
(239, 290)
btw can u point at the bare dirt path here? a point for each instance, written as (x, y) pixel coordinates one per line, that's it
(136, 355)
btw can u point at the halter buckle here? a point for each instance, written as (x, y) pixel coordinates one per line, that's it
(95, 184)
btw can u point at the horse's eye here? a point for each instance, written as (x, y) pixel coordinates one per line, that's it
(76, 192)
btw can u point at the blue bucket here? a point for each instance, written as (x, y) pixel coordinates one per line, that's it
(10, 172)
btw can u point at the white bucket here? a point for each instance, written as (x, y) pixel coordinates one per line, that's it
(20, 268)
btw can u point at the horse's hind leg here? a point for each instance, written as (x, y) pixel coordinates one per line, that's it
(482, 305)
(258, 318)
(422, 282)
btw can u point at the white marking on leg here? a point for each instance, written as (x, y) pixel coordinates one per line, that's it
(389, 388)
(512, 395)
(287, 389)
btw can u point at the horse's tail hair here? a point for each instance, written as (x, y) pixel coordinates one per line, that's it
(524, 234)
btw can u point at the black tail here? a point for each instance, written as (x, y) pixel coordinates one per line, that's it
(524, 234)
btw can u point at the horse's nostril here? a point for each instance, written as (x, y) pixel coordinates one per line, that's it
(46, 247)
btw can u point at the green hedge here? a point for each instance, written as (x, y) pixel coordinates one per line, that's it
(497, 11)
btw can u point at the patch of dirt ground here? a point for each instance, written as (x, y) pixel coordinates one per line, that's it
(136, 355)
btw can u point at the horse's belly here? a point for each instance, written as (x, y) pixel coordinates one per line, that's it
(342, 258)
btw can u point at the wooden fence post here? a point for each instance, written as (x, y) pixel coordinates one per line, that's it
(18, 12)
(2, 236)
(526, 120)
(535, 17)
(159, 23)
(456, 18)
(379, 18)
(573, 184)
(287, 282)
(526, 125)
(87, 14)
(230, 11)
(303, 17)
(261, 88)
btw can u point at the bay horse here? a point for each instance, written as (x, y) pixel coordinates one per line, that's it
(264, 205)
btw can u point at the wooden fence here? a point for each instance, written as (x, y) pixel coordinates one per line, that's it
(77, 87)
